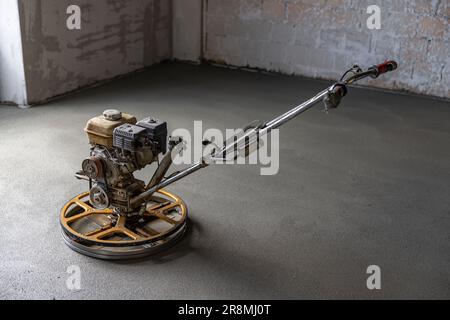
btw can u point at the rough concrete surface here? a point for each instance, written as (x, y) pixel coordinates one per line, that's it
(367, 184)
(319, 38)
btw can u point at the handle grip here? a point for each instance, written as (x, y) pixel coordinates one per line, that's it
(384, 67)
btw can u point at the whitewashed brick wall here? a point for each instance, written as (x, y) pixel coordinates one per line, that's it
(321, 38)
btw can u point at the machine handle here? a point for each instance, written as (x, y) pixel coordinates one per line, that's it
(384, 67)
(331, 96)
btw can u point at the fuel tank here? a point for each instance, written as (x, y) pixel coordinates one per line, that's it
(100, 129)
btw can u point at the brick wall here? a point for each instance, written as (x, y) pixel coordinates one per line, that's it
(320, 38)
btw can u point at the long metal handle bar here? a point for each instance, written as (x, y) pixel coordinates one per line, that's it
(275, 123)
(260, 131)
(197, 166)
(219, 155)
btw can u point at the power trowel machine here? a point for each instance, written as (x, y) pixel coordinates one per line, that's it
(121, 217)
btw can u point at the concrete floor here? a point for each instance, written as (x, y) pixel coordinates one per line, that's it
(366, 184)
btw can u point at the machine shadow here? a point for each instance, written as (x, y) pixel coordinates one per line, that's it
(179, 249)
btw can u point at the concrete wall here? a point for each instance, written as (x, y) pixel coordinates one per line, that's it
(12, 76)
(319, 38)
(116, 37)
(187, 30)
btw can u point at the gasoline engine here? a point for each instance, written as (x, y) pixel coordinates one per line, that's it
(120, 146)
(122, 217)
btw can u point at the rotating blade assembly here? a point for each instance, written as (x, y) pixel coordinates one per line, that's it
(103, 234)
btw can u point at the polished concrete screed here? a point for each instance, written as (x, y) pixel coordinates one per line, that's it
(367, 184)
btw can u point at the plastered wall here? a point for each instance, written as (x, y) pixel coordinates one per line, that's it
(314, 38)
(187, 30)
(321, 38)
(12, 76)
(116, 37)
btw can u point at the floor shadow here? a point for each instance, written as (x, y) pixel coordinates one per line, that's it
(179, 249)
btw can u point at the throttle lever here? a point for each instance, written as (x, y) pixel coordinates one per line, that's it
(334, 96)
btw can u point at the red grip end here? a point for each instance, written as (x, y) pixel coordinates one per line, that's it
(386, 66)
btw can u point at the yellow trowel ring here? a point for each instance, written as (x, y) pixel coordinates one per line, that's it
(88, 229)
